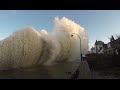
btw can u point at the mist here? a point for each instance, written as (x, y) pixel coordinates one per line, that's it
(28, 47)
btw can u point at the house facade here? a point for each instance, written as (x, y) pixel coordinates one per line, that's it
(93, 50)
(109, 50)
(99, 47)
(112, 47)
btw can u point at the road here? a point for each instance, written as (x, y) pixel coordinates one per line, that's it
(58, 71)
(63, 70)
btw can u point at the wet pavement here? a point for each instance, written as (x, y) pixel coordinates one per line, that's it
(84, 71)
(59, 71)
(97, 75)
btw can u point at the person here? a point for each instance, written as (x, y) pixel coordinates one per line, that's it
(83, 57)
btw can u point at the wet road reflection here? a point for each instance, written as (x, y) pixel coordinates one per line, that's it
(62, 70)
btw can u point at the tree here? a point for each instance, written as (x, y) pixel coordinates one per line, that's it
(118, 36)
(112, 38)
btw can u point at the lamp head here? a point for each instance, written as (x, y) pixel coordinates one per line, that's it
(71, 35)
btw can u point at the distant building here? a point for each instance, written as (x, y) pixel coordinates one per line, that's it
(105, 48)
(93, 50)
(112, 47)
(117, 46)
(99, 47)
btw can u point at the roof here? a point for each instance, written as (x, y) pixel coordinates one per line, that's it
(99, 43)
(115, 43)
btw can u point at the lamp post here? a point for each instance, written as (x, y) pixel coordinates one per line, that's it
(80, 44)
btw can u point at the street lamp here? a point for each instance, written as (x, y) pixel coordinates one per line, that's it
(80, 44)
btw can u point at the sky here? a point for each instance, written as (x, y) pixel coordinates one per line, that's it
(99, 24)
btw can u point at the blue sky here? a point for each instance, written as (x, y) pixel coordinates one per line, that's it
(99, 24)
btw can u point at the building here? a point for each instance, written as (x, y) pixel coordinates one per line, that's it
(111, 48)
(93, 50)
(99, 47)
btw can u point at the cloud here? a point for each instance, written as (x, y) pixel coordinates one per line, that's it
(27, 47)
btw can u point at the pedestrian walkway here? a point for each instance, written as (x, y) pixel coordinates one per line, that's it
(84, 71)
